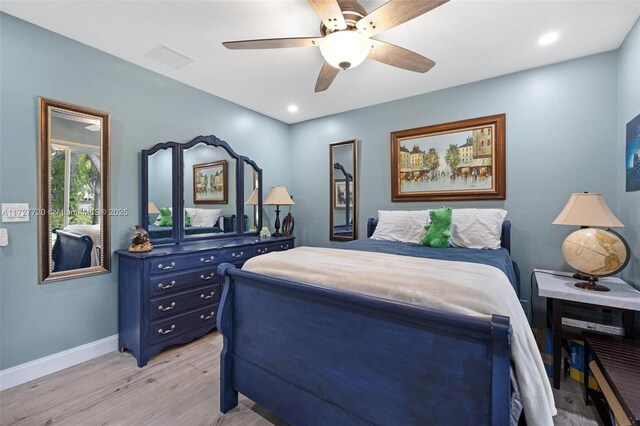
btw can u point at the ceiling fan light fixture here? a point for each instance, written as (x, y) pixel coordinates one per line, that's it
(345, 49)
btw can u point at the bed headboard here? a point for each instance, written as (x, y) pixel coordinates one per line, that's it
(505, 238)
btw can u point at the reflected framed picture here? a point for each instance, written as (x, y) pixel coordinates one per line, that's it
(462, 160)
(340, 194)
(210, 183)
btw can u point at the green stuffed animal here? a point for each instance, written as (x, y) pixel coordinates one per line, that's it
(164, 219)
(438, 233)
(187, 219)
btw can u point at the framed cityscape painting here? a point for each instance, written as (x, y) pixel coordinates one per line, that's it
(462, 160)
(210, 183)
(632, 155)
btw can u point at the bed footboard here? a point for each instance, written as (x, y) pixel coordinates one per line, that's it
(317, 356)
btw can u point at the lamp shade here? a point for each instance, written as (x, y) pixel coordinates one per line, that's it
(151, 208)
(587, 209)
(253, 199)
(278, 196)
(345, 49)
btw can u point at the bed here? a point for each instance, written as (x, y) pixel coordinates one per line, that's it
(320, 355)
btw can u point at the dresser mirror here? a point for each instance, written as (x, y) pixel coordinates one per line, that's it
(73, 202)
(197, 190)
(159, 187)
(343, 223)
(209, 177)
(253, 197)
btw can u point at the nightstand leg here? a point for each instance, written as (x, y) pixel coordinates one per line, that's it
(629, 324)
(585, 368)
(556, 331)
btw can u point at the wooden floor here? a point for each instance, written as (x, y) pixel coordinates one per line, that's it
(178, 387)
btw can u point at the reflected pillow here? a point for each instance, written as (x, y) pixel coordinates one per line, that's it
(205, 218)
(401, 225)
(477, 228)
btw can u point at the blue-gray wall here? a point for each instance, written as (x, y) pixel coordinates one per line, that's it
(628, 108)
(561, 130)
(146, 108)
(564, 134)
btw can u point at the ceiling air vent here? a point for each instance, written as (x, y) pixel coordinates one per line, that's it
(169, 56)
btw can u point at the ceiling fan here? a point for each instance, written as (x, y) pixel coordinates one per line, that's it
(346, 41)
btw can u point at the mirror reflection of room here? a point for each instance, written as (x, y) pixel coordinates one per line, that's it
(71, 150)
(343, 182)
(209, 191)
(251, 188)
(160, 188)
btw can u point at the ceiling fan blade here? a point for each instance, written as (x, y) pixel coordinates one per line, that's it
(329, 13)
(273, 43)
(326, 77)
(395, 12)
(400, 57)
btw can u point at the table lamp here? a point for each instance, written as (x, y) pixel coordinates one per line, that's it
(593, 252)
(278, 196)
(253, 201)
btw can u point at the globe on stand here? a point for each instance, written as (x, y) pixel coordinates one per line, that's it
(594, 253)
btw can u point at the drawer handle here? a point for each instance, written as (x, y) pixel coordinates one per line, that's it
(209, 260)
(208, 317)
(262, 251)
(160, 266)
(208, 277)
(168, 308)
(234, 254)
(284, 246)
(161, 331)
(164, 287)
(205, 297)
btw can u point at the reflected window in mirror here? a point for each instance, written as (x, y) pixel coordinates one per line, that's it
(73, 191)
(343, 224)
(209, 191)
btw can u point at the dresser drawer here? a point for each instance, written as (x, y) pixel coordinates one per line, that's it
(164, 330)
(268, 248)
(175, 263)
(166, 284)
(182, 302)
(230, 255)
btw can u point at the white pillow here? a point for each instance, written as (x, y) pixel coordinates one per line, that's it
(192, 212)
(205, 218)
(477, 228)
(400, 225)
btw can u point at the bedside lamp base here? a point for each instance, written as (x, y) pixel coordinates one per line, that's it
(591, 285)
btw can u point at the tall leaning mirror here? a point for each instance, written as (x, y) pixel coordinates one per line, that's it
(343, 217)
(73, 204)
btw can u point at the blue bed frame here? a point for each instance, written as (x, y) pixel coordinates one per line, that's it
(318, 356)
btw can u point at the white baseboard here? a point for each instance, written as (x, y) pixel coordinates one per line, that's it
(32, 370)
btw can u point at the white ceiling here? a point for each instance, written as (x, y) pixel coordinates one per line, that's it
(469, 40)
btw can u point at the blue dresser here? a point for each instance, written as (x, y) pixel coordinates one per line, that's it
(170, 295)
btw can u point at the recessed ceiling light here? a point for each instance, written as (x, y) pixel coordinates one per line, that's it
(548, 38)
(292, 108)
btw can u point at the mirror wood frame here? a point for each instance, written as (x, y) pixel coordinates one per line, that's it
(45, 275)
(354, 233)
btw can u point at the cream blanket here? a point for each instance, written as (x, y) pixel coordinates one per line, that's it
(462, 287)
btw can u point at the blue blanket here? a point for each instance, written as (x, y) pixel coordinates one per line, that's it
(497, 258)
